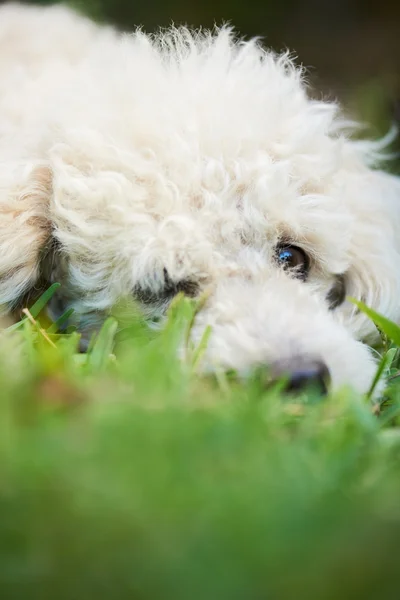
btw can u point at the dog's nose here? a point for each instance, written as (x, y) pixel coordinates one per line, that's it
(302, 374)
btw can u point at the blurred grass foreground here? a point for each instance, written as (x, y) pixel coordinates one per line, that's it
(123, 474)
(133, 477)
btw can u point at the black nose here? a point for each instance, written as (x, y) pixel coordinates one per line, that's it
(302, 374)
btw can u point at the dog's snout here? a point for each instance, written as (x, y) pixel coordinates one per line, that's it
(302, 374)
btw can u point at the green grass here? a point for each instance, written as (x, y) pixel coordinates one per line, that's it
(128, 475)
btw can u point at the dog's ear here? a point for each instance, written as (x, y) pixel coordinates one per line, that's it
(25, 227)
(374, 274)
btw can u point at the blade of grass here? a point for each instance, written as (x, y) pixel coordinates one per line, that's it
(197, 307)
(100, 354)
(60, 321)
(382, 366)
(388, 327)
(38, 306)
(201, 347)
(39, 329)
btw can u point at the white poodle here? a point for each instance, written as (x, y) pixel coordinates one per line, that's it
(188, 161)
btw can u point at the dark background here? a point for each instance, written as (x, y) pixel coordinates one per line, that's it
(350, 47)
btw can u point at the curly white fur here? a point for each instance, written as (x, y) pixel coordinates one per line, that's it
(189, 154)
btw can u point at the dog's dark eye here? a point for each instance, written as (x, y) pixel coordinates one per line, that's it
(171, 288)
(293, 258)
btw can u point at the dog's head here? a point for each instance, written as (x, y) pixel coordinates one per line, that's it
(194, 163)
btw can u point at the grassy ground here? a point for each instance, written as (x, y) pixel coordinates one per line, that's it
(132, 477)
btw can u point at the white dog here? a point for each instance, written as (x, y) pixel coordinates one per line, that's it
(187, 161)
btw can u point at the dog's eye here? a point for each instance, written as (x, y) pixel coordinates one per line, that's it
(171, 288)
(293, 258)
